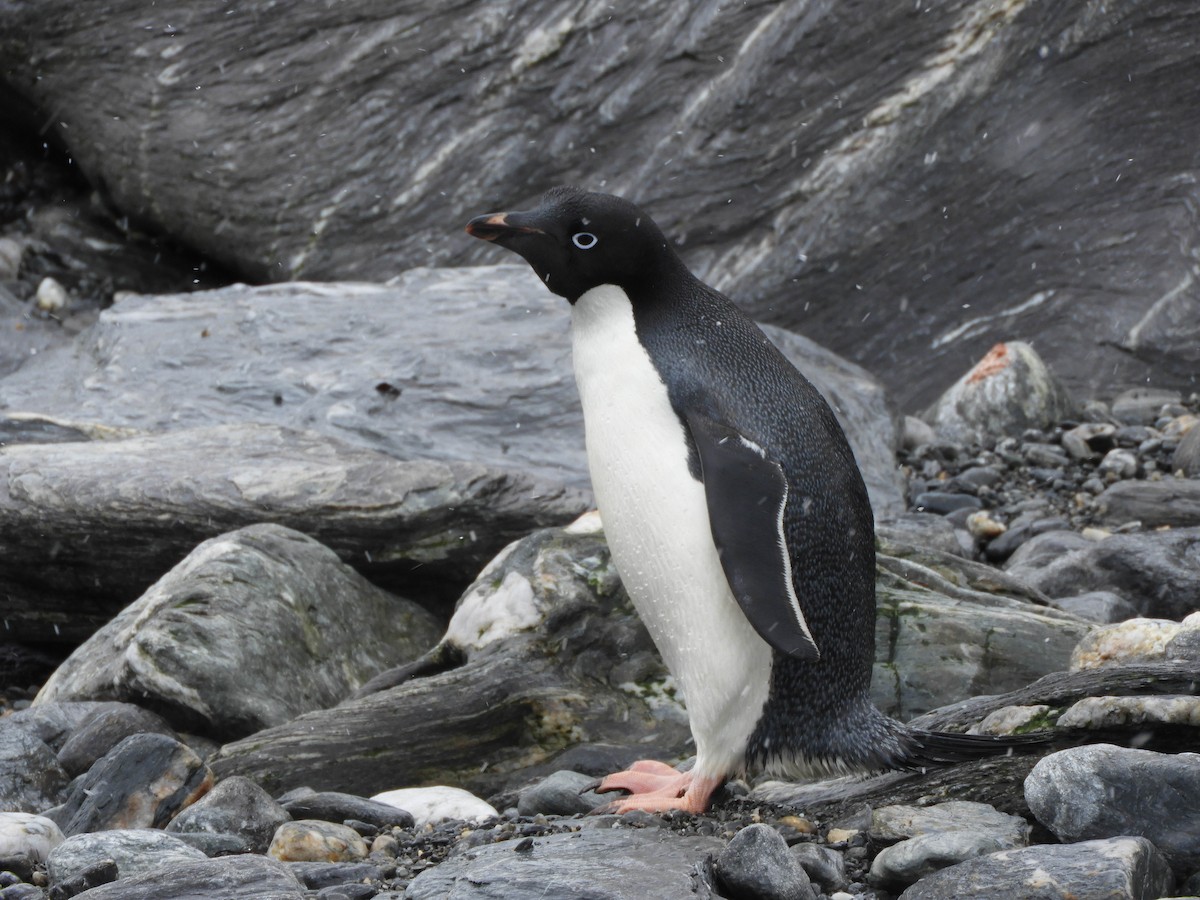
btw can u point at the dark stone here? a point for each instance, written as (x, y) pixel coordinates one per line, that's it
(234, 805)
(825, 867)
(562, 793)
(211, 844)
(333, 806)
(318, 875)
(101, 873)
(942, 503)
(348, 892)
(31, 780)
(757, 863)
(22, 892)
(103, 729)
(143, 782)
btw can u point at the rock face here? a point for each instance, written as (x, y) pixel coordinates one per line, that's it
(263, 605)
(471, 365)
(910, 214)
(83, 523)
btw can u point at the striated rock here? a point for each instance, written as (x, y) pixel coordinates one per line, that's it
(234, 806)
(1173, 502)
(244, 877)
(946, 630)
(311, 840)
(143, 782)
(264, 605)
(1102, 791)
(135, 851)
(756, 863)
(614, 864)
(825, 868)
(470, 365)
(342, 876)
(82, 523)
(1008, 391)
(26, 840)
(865, 174)
(1158, 572)
(1092, 870)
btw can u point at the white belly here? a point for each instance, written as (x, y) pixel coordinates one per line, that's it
(656, 521)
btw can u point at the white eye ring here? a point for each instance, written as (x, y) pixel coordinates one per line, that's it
(585, 240)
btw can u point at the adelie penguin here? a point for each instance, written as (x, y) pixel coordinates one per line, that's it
(736, 515)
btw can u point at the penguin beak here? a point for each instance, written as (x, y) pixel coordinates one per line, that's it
(498, 226)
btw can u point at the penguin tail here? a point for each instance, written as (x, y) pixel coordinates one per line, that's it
(940, 748)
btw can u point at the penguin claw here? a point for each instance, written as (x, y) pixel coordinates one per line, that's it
(593, 785)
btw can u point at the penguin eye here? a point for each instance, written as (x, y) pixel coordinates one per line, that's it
(584, 240)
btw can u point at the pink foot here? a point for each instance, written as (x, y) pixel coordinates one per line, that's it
(656, 787)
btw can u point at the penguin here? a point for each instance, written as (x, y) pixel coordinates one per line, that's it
(734, 509)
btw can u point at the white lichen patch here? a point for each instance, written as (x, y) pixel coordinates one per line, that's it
(542, 43)
(430, 805)
(1137, 640)
(1109, 712)
(490, 612)
(1011, 719)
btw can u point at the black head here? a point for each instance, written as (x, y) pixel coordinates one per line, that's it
(577, 240)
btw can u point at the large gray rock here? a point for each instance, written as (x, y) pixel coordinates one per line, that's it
(449, 364)
(1157, 571)
(264, 606)
(1125, 867)
(603, 864)
(535, 661)
(1102, 791)
(1005, 393)
(910, 212)
(87, 527)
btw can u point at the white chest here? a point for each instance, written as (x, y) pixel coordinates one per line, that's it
(656, 522)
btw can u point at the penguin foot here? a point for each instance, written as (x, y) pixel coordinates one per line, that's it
(656, 787)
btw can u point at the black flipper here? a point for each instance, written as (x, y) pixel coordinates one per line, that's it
(746, 494)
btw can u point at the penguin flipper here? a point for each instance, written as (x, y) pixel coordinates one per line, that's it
(746, 494)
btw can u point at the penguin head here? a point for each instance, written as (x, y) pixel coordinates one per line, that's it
(577, 240)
